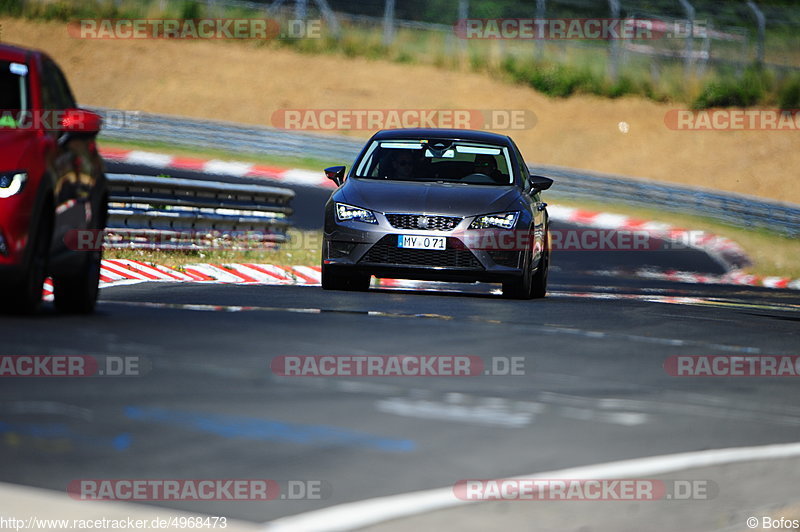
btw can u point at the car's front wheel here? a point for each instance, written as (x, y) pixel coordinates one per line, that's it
(539, 281)
(77, 294)
(529, 285)
(519, 288)
(25, 296)
(333, 279)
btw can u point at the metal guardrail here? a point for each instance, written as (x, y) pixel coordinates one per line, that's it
(166, 213)
(735, 209)
(227, 136)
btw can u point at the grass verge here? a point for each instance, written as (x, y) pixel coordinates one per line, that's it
(303, 249)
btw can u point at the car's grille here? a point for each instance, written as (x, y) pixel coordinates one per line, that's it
(505, 258)
(385, 251)
(422, 222)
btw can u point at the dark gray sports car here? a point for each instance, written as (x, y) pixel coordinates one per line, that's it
(439, 205)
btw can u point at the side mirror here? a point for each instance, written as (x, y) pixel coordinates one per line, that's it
(81, 121)
(335, 174)
(539, 183)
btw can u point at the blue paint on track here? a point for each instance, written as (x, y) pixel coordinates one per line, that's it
(267, 430)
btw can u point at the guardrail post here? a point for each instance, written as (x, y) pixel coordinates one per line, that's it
(689, 59)
(540, 9)
(329, 16)
(300, 9)
(614, 63)
(762, 23)
(463, 14)
(388, 22)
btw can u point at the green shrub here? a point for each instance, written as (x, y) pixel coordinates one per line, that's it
(789, 95)
(190, 9)
(728, 91)
(11, 8)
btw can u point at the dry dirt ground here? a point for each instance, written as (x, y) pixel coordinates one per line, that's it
(245, 83)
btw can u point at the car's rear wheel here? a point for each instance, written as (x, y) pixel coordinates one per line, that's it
(77, 294)
(333, 279)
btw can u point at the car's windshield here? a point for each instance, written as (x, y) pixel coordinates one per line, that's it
(431, 160)
(14, 95)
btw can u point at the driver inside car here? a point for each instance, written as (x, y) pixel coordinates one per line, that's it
(487, 165)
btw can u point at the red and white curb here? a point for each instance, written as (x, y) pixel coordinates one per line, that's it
(289, 176)
(734, 277)
(724, 250)
(115, 272)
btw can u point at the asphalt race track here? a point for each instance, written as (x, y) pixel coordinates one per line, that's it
(594, 388)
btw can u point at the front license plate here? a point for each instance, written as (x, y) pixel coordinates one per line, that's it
(421, 242)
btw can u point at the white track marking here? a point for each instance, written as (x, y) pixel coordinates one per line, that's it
(360, 514)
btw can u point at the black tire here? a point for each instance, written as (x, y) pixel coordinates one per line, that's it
(334, 280)
(519, 288)
(25, 296)
(77, 294)
(539, 281)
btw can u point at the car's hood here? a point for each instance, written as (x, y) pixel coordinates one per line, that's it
(15, 148)
(428, 198)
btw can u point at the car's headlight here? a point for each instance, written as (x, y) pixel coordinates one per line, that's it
(502, 220)
(11, 183)
(345, 213)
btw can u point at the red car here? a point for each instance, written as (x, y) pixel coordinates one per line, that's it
(51, 184)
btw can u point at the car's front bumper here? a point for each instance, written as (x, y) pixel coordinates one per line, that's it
(372, 249)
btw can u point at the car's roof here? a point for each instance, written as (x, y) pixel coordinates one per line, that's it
(10, 52)
(456, 134)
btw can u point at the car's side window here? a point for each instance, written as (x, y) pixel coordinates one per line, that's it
(55, 89)
(522, 168)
